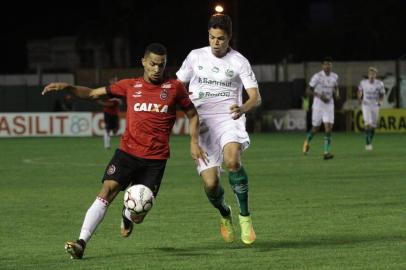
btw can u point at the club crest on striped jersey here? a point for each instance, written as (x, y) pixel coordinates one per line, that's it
(111, 170)
(164, 94)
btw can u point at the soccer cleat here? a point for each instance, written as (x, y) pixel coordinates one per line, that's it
(247, 230)
(306, 147)
(327, 156)
(227, 228)
(75, 249)
(126, 227)
(368, 147)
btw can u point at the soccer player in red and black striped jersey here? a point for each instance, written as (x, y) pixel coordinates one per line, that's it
(144, 148)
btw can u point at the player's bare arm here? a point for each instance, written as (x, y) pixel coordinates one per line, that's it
(381, 96)
(336, 92)
(194, 124)
(254, 100)
(359, 96)
(82, 92)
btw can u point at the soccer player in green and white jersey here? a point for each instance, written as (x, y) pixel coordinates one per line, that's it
(216, 75)
(370, 94)
(323, 86)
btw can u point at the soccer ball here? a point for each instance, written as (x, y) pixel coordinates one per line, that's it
(138, 199)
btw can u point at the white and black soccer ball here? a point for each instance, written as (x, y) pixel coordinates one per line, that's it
(138, 199)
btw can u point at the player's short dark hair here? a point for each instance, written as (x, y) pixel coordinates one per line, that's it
(328, 59)
(155, 48)
(221, 21)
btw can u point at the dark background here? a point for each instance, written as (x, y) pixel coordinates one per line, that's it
(264, 31)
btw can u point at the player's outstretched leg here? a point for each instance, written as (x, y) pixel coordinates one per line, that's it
(306, 144)
(93, 218)
(127, 225)
(372, 135)
(227, 228)
(239, 183)
(215, 194)
(327, 146)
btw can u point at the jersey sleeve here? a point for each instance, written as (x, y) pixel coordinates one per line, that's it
(313, 81)
(381, 88)
(185, 72)
(247, 76)
(360, 88)
(118, 89)
(182, 96)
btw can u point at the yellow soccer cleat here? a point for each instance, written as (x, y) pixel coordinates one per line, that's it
(227, 228)
(306, 147)
(247, 231)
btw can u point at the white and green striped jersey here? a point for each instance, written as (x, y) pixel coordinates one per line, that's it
(216, 83)
(371, 91)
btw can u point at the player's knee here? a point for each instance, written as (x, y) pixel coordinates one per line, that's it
(109, 190)
(232, 164)
(211, 185)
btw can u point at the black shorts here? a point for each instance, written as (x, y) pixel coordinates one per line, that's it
(129, 170)
(111, 121)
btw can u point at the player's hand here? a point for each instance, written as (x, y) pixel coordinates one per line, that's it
(198, 153)
(56, 86)
(236, 111)
(324, 98)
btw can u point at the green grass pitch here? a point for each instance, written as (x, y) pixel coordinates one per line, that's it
(345, 213)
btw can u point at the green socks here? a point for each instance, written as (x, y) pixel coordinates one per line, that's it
(309, 136)
(327, 143)
(217, 200)
(369, 135)
(239, 183)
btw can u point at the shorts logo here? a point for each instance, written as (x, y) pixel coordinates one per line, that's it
(111, 170)
(200, 67)
(164, 94)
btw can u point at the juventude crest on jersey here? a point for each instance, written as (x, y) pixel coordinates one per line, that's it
(229, 73)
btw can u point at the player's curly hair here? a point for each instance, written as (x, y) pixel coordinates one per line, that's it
(221, 21)
(155, 48)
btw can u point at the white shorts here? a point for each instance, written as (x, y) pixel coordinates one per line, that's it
(370, 115)
(323, 114)
(215, 132)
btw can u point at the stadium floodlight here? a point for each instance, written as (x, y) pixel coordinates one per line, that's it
(219, 8)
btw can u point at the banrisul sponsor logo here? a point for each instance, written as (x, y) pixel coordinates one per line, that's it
(210, 94)
(214, 82)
